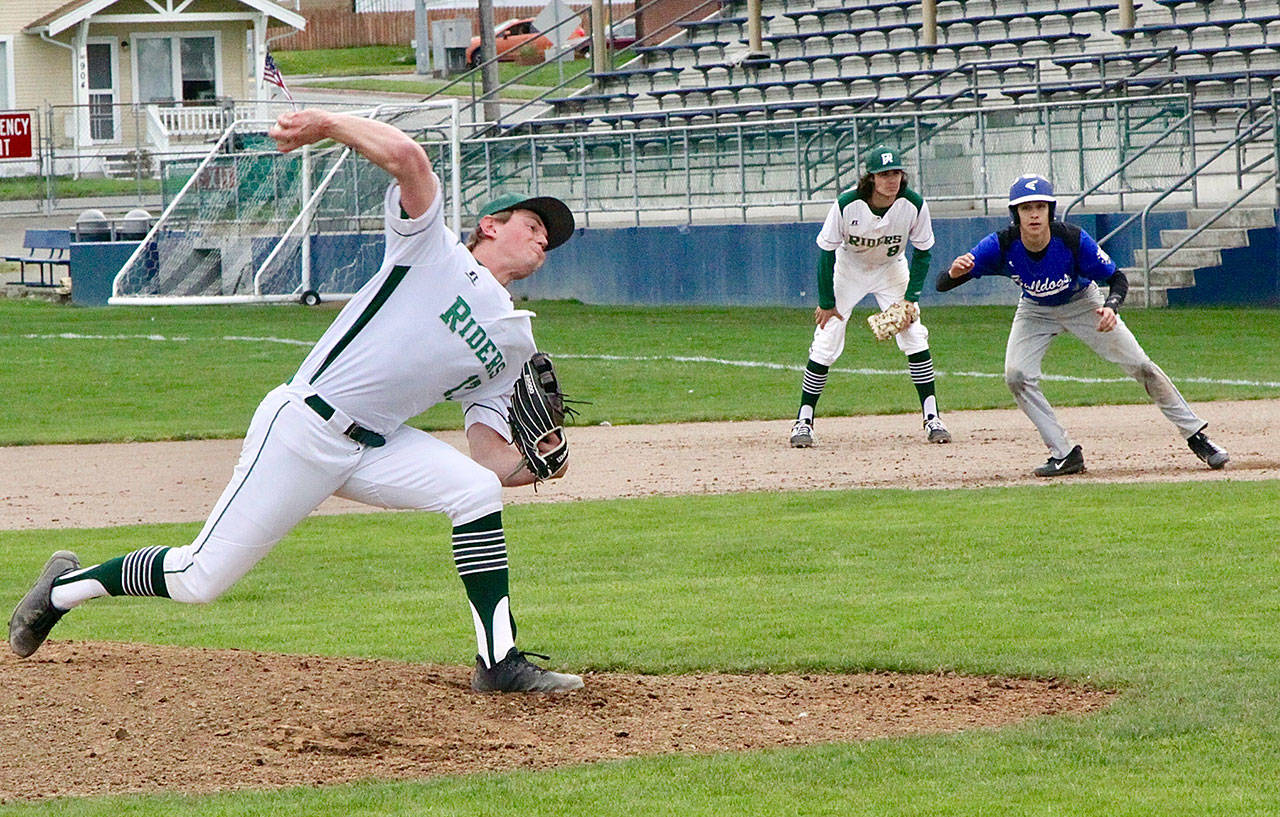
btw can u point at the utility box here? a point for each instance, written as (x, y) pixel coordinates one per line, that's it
(449, 42)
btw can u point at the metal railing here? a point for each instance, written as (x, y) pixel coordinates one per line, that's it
(470, 79)
(779, 168)
(1265, 126)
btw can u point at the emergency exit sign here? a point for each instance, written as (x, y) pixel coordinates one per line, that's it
(15, 136)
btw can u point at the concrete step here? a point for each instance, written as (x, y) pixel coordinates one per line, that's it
(1138, 298)
(1162, 277)
(1245, 217)
(1214, 237)
(1193, 257)
(57, 294)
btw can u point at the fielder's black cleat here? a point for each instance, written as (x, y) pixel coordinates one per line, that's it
(1073, 463)
(1213, 456)
(802, 434)
(35, 615)
(936, 430)
(514, 673)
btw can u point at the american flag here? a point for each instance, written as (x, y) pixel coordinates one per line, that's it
(271, 74)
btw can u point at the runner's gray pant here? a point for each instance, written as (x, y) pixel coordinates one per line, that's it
(1035, 325)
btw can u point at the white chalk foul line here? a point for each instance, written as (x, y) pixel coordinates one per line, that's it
(747, 364)
(756, 364)
(170, 338)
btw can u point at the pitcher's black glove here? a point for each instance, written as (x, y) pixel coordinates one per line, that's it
(537, 416)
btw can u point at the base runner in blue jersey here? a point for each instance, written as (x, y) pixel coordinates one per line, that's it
(435, 323)
(1059, 267)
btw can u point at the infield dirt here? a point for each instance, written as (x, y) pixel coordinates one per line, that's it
(85, 718)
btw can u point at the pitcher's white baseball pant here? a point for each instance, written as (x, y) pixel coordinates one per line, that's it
(887, 284)
(291, 461)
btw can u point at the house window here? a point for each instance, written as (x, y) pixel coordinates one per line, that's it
(6, 74)
(179, 69)
(199, 79)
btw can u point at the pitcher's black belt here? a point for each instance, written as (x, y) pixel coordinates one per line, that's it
(355, 431)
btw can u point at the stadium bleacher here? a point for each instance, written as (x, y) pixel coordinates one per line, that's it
(874, 54)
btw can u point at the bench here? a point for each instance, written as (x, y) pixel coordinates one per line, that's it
(1153, 56)
(670, 51)
(1152, 84)
(928, 51)
(650, 75)
(55, 246)
(579, 102)
(1138, 61)
(856, 32)
(1225, 25)
(1176, 7)
(1243, 51)
(760, 87)
(692, 27)
(1006, 19)
(714, 113)
(750, 80)
(876, 8)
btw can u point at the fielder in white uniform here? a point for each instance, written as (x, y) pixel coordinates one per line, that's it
(863, 251)
(435, 323)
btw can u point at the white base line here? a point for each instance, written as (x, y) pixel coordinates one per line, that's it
(748, 364)
(755, 364)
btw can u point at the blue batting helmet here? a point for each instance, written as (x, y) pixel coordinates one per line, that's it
(1030, 187)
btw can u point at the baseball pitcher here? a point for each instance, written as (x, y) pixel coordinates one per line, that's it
(435, 323)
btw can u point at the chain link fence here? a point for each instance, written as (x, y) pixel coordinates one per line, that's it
(793, 169)
(780, 169)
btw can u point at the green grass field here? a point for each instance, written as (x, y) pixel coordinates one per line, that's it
(371, 61)
(1166, 592)
(110, 374)
(1171, 599)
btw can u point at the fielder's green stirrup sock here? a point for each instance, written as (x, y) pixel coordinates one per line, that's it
(480, 554)
(920, 366)
(140, 573)
(811, 386)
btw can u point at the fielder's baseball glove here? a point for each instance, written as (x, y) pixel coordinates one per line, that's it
(893, 320)
(537, 415)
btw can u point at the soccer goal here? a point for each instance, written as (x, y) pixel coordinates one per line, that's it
(249, 224)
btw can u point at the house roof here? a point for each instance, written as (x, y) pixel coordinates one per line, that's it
(76, 11)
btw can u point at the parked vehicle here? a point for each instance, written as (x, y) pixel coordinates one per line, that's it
(619, 35)
(511, 36)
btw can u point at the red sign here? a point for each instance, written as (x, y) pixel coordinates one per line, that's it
(15, 136)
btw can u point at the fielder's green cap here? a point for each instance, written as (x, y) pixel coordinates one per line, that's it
(555, 214)
(881, 158)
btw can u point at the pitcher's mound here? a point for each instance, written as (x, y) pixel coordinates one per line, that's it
(83, 718)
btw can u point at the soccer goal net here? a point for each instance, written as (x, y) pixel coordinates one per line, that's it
(250, 224)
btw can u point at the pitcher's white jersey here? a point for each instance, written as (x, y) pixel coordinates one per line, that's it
(863, 240)
(433, 324)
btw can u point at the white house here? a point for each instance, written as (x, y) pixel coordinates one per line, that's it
(112, 76)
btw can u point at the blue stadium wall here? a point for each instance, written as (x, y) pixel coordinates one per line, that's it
(774, 264)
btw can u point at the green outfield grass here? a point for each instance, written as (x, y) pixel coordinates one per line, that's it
(1167, 593)
(189, 372)
(369, 59)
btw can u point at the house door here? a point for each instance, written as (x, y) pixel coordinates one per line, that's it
(102, 91)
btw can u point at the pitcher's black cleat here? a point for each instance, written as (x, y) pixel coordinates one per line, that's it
(515, 673)
(35, 615)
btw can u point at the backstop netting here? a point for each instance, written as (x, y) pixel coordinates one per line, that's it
(246, 223)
